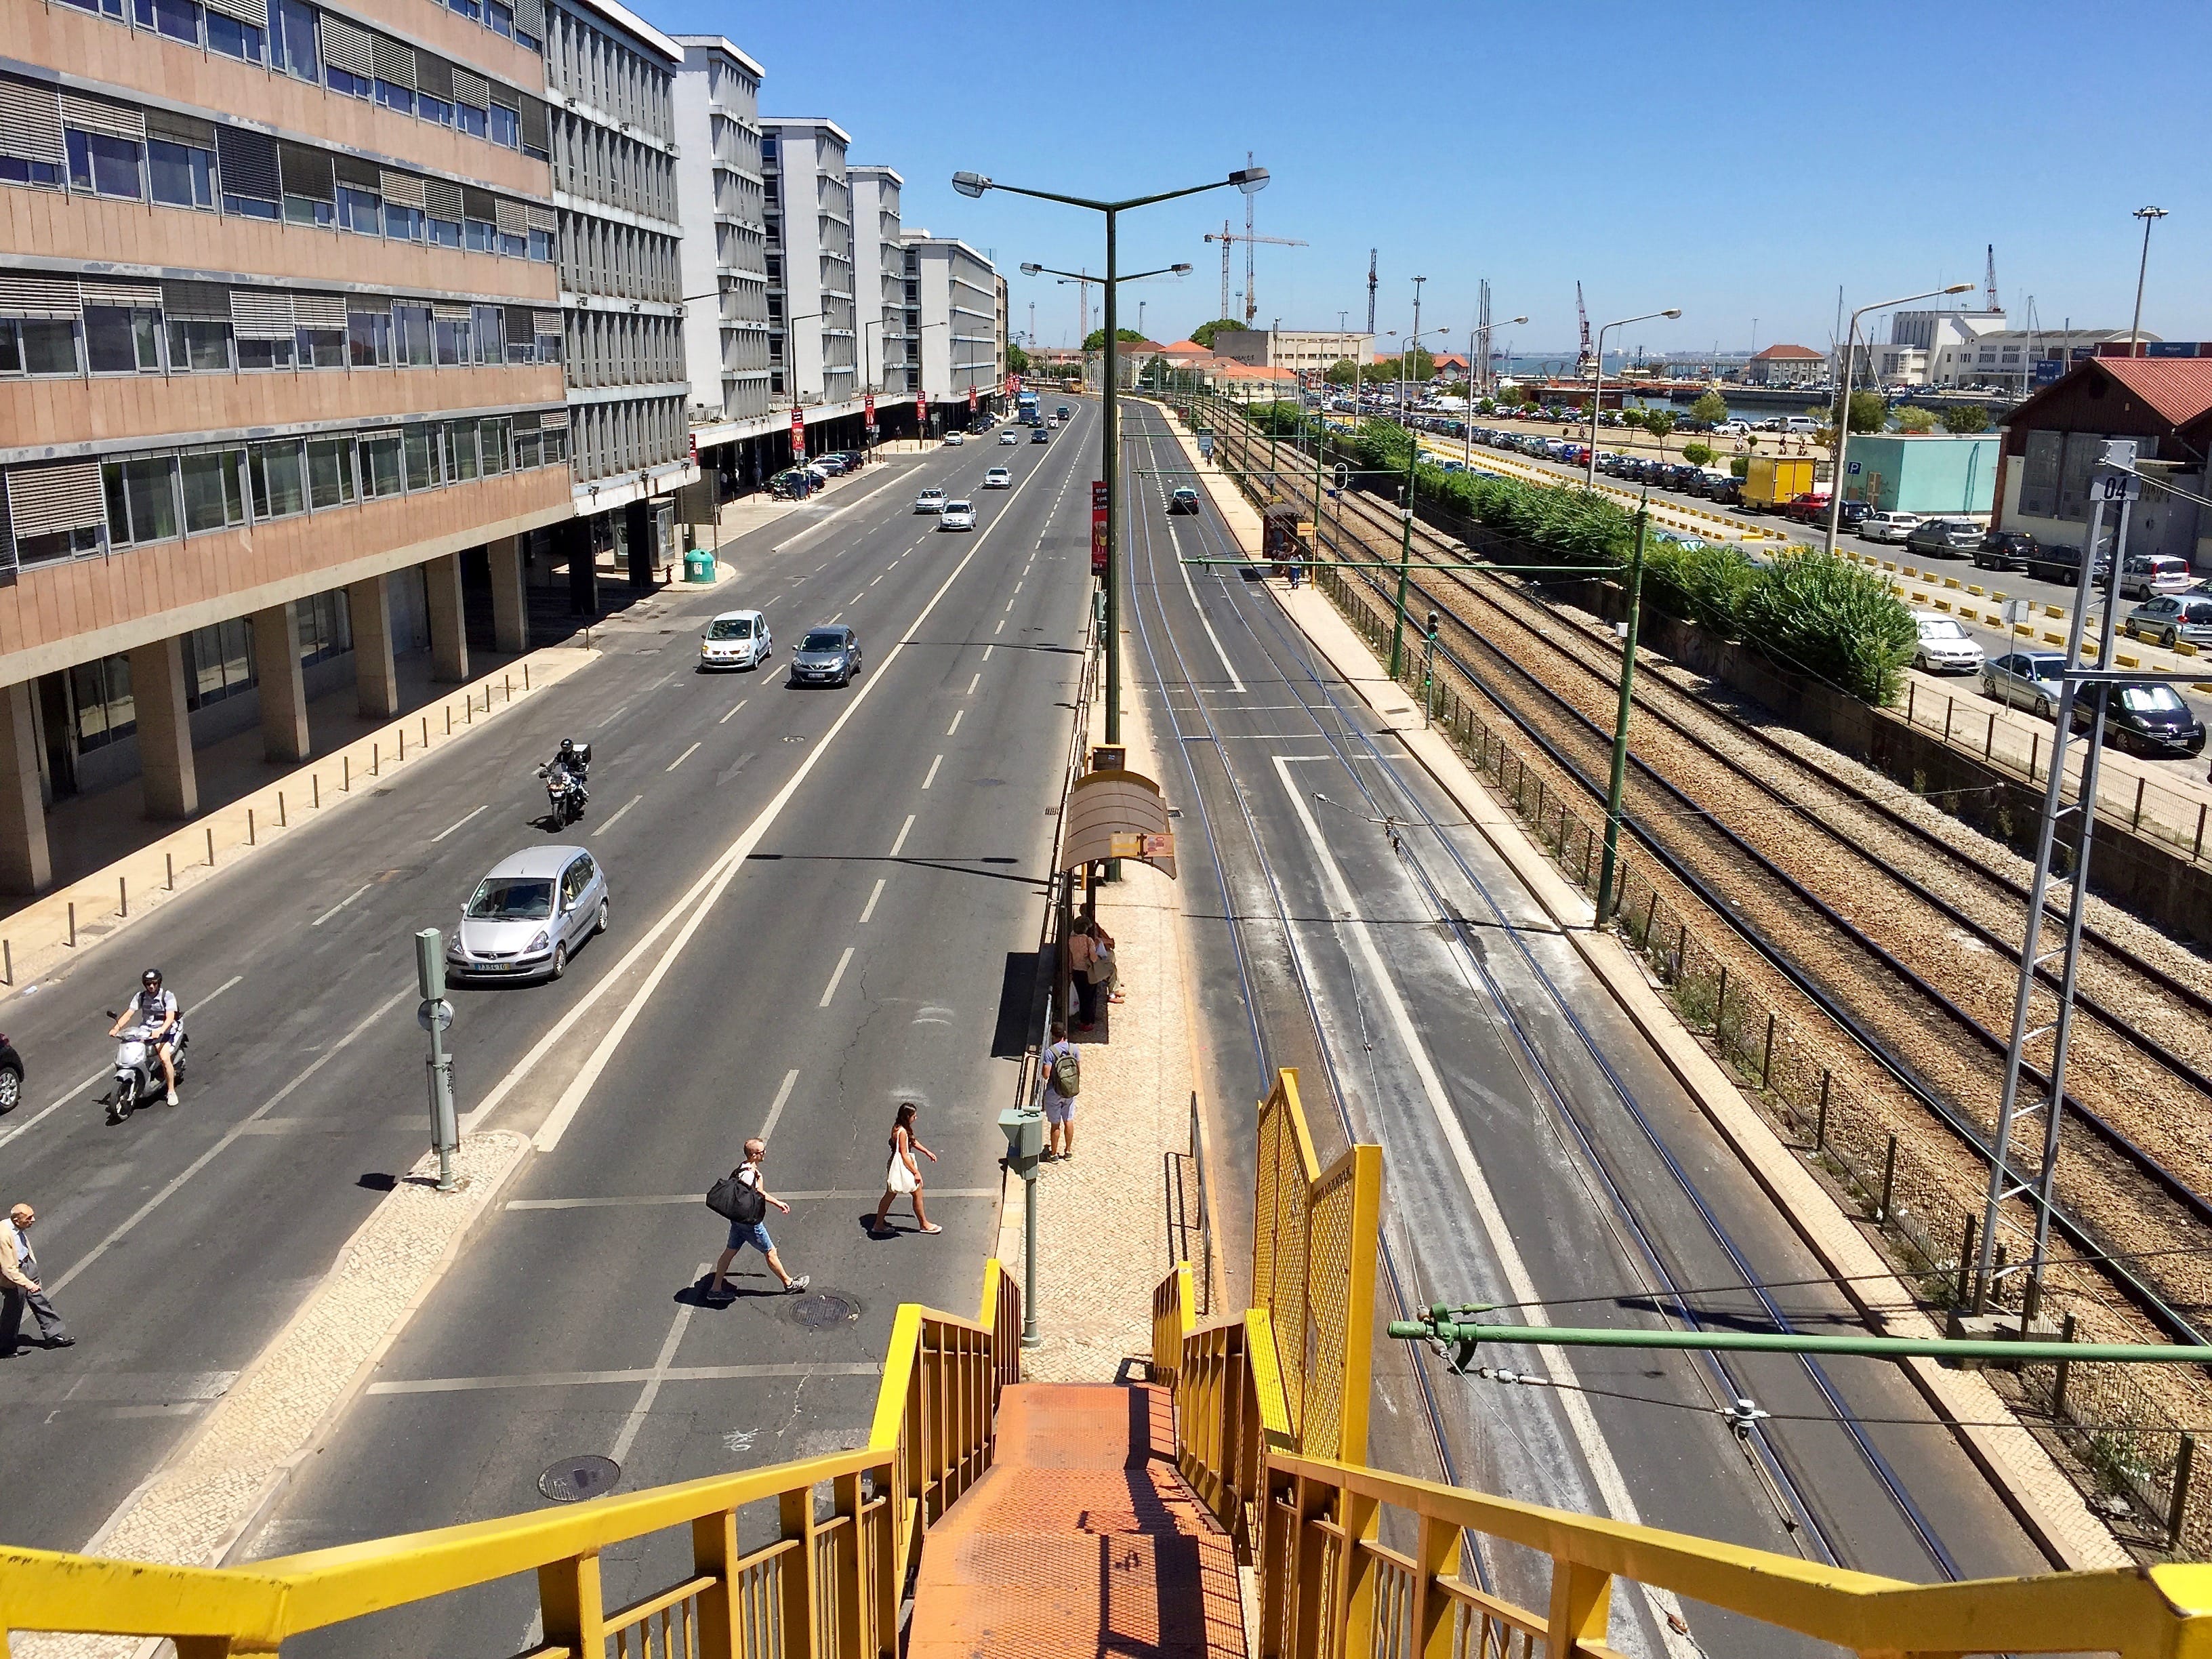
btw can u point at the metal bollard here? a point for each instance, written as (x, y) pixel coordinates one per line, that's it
(449, 720)
(345, 774)
(72, 920)
(7, 960)
(426, 731)
(169, 862)
(281, 819)
(402, 745)
(1766, 1066)
(1966, 1259)
(1820, 1123)
(2064, 1367)
(526, 677)
(210, 841)
(2183, 1463)
(251, 839)
(507, 681)
(123, 896)
(376, 760)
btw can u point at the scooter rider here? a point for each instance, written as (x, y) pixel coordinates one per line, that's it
(152, 1018)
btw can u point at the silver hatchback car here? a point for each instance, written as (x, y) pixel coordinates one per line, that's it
(529, 915)
(2025, 679)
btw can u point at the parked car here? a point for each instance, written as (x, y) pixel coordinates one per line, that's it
(528, 914)
(1812, 507)
(1727, 492)
(2024, 679)
(1945, 539)
(11, 1076)
(1731, 428)
(2170, 618)
(1945, 647)
(1010, 437)
(2146, 574)
(2147, 716)
(998, 478)
(2064, 565)
(830, 655)
(736, 639)
(1888, 526)
(930, 501)
(2006, 550)
(957, 515)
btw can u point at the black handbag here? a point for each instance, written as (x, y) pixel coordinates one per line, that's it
(734, 1200)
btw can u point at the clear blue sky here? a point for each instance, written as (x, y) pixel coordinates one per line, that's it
(1742, 161)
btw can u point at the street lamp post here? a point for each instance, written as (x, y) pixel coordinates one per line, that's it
(1405, 357)
(1405, 537)
(1597, 383)
(1466, 426)
(1618, 776)
(1247, 179)
(1843, 414)
(2150, 216)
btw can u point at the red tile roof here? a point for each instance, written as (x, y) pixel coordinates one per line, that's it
(2179, 388)
(1792, 351)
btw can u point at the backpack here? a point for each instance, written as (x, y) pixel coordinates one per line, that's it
(1066, 1072)
(734, 1200)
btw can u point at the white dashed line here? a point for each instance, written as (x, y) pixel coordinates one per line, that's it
(933, 765)
(972, 683)
(903, 829)
(742, 701)
(874, 893)
(619, 810)
(355, 894)
(681, 758)
(456, 824)
(790, 1077)
(955, 726)
(843, 961)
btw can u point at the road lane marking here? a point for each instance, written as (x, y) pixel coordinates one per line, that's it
(679, 761)
(236, 1132)
(340, 905)
(1617, 1501)
(664, 1373)
(456, 824)
(904, 829)
(844, 961)
(987, 650)
(742, 701)
(858, 596)
(1001, 628)
(933, 765)
(1009, 604)
(955, 726)
(612, 718)
(655, 1199)
(782, 1097)
(689, 912)
(972, 683)
(1235, 683)
(619, 810)
(874, 893)
(655, 1377)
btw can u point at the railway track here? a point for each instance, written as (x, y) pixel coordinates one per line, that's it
(1745, 817)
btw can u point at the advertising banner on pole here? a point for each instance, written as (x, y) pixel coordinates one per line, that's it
(797, 434)
(868, 408)
(971, 400)
(921, 407)
(1098, 526)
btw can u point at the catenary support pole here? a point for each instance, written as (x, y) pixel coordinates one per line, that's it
(1609, 867)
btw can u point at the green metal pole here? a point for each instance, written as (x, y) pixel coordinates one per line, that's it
(1109, 446)
(1609, 867)
(1871, 1347)
(1405, 554)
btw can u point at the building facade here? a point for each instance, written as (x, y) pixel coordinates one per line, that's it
(810, 261)
(724, 251)
(879, 281)
(1293, 347)
(955, 311)
(280, 351)
(610, 75)
(1786, 365)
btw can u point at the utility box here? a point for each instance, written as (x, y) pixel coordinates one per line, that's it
(1776, 480)
(1024, 1133)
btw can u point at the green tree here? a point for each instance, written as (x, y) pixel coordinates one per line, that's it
(1869, 412)
(1018, 360)
(1967, 417)
(1710, 408)
(1529, 399)
(1486, 406)
(1659, 421)
(1204, 333)
(1095, 340)
(1342, 372)
(1697, 454)
(1632, 418)
(1914, 419)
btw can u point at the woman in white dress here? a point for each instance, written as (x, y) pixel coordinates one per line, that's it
(903, 1174)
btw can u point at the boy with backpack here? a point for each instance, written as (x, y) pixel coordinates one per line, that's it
(1063, 1081)
(741, 1198)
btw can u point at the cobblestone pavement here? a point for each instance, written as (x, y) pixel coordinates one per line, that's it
(194, 1509)
(1102, 1216)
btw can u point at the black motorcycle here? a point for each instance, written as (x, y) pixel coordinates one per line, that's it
(564, 794)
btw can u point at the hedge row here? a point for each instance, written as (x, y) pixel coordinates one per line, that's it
(1810, 611)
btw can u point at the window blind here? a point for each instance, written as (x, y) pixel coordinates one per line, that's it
(255, 12)
(349, 47)
(180, 129)
(470, 88)
(535, 134)
(248, 163)
(546, 322)
(507, 215)
(306, 172)
(478, 204)
(121, 294)
(196, 302)
(404, 188)
(434, 75)
(395, 62)
(319, 310)
(358, 174)
(51, 298)
(99, 115)
(59, 495)
(261, 313)
(442, 198)
(540, 218)
(31, 121)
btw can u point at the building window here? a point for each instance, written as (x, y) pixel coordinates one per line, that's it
(32, 345)
(480, 235)
(321, 348)
(222, 661)
(100, 691)
(419, 444)
(411, 335)
(279, 483)
(266, 351)
(369, 339)
(182, 175)
(103, 165)
(142, 500)
(236, 39)
(470, 119)
(403, 224)
(330, 472)
(325, 626)
(442, 233)
(513, 244)
(541, 246)
(103, 8)
(434, 110)
(252, 207)
(214, 491)
(455, 341)
(460, 451)
(493, 436)
(500, 18)
(180, 20)
(393, 96)
(506, 126)
(292, 40)
(198, 346)
(123, 339)
(360, 212)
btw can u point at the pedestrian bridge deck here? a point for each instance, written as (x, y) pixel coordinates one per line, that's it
(1082, 1541)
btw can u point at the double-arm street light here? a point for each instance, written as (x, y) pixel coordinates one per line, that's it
(1844, 411)
(1466, 427)
(1247, 179)
(1067, 276)
(1597, 383)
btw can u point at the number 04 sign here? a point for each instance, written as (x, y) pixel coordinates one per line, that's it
(2115, 486)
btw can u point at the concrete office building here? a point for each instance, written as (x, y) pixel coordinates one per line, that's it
(810, 261)
(955, 310)
(279, 373)
(1293, 347)
(724, 249)
(609, 75)
(887, 363)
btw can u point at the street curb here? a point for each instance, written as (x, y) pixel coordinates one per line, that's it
(2040, 1495)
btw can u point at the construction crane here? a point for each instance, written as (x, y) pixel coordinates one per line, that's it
(1990, 280)
(1370, 292)
(1228, 239)
(1582, 358)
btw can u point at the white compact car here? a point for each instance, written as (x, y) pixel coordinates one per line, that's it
(998, 478)
(736, 639)
(1887, 526)
(957, 515)
(1010, 437)
(930, 501)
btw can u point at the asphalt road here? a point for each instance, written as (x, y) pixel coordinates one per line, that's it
(1533, 1146)
(854, 959)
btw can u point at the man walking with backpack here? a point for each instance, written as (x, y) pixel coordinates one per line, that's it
(1063, 1081)
(742, 1198)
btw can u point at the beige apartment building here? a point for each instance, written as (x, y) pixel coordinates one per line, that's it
(1305, 349)
(281, 342)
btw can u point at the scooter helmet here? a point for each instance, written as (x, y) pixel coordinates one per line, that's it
(568, 746)
(151, 979)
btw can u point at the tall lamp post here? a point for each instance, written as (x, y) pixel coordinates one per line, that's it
(2150, 216)
(1843, 414)
(1247, 179)
(1108, 355)
(1466, 426)
(1597, 383)
(1406, 514)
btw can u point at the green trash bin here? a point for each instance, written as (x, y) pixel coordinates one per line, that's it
(698, 566)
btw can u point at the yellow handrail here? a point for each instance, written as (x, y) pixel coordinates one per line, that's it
(930, 1440)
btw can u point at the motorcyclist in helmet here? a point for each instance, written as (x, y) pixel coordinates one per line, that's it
(570, 759)
(153, 1018)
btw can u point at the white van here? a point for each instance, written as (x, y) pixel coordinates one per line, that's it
(1796, 424)
(737, 639)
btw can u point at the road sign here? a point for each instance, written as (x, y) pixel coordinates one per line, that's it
(2115, 486)
(1852, 470)
(440, 1011)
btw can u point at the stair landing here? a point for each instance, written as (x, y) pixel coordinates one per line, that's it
(1082, 1541)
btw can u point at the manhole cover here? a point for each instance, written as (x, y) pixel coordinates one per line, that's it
(573, 1480)
(819, 1311)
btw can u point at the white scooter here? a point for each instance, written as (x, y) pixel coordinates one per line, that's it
(138, 1072)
